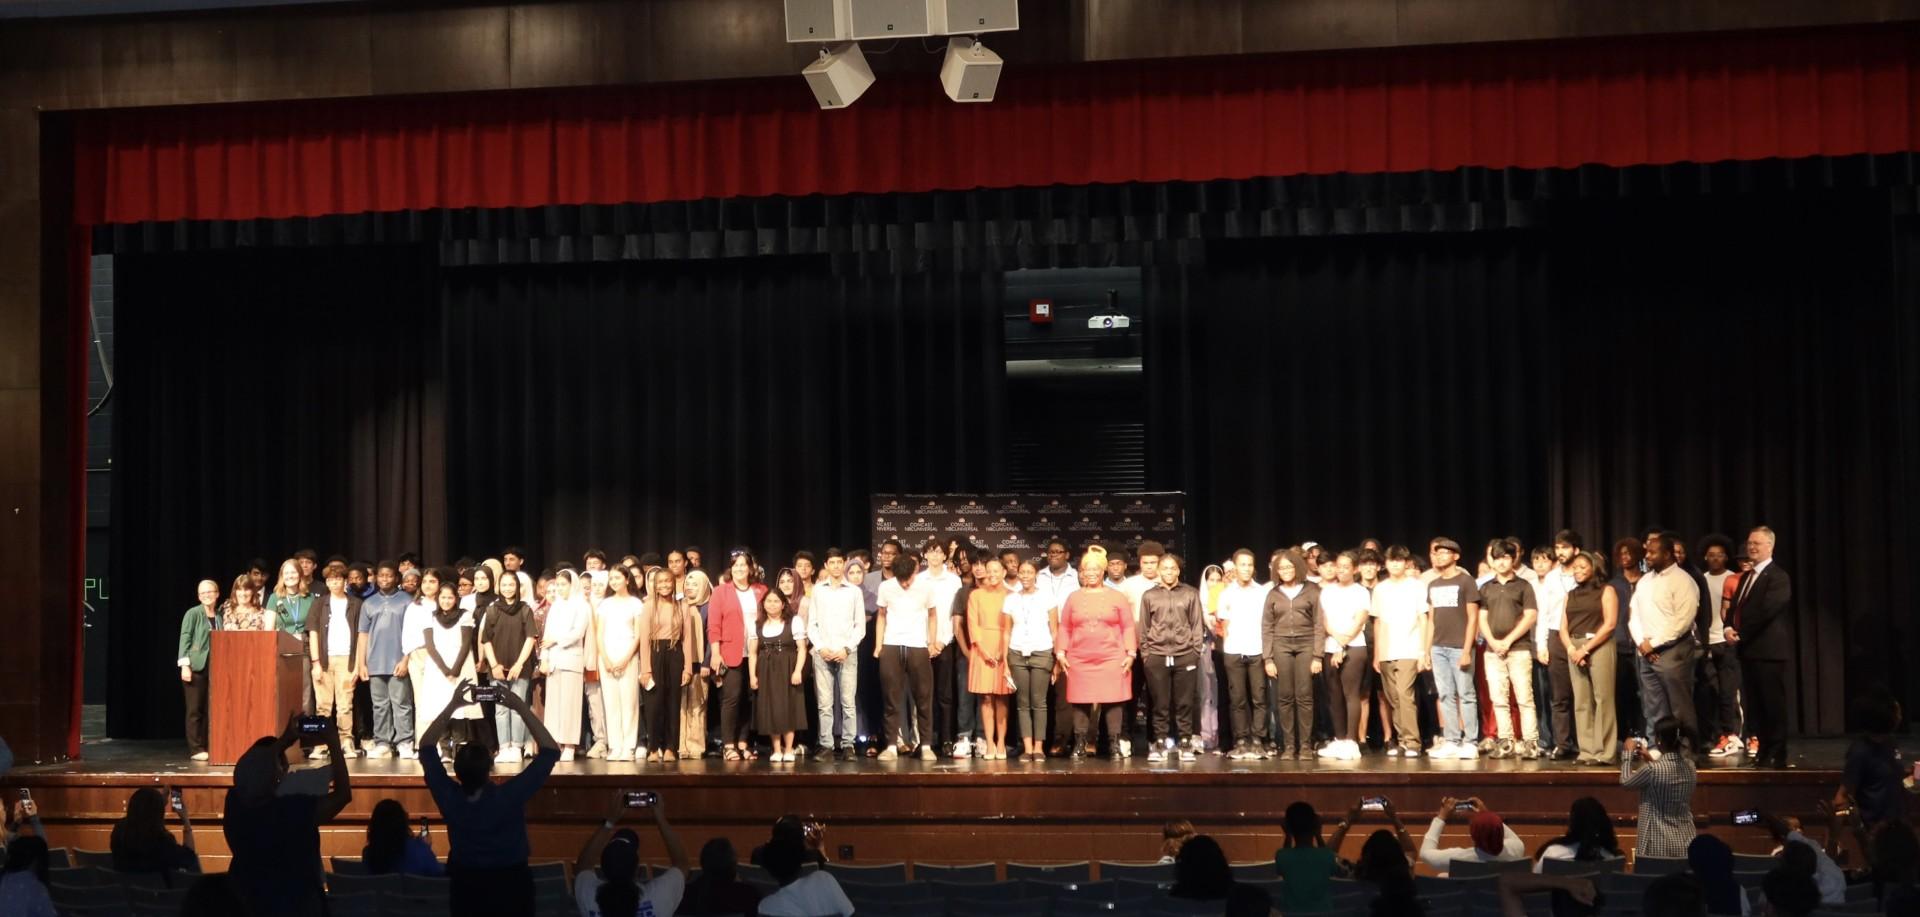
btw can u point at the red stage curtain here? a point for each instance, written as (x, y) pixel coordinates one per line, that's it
(1616, 102)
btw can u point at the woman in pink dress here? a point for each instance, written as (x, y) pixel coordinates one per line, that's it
(1097, 645)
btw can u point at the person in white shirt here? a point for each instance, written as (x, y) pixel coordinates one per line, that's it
(1493, 841)
(815, 894)
(941, 584)
(617, 853)
(1238, 620)
(1057, 580)
(1030, 641)
(413, 644)
(1402, 644)
(1133, 587)
(618, 617)
(1552, 682)
(1349, 665)
(1661, 622)
(563, 657)
(1722, 660)
(333, 642)
(836, 620)
(906, 627)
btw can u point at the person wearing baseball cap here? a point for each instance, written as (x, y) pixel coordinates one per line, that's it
(1454, 601)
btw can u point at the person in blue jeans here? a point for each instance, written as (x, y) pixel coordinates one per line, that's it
(506, 642)
(1454, 601)
(382, 618)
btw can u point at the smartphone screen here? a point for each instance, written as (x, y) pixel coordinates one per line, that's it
(1464, 805)
(313, 725)
(1747, 817)
(641, 799)
(1374, 803)
(174, 799)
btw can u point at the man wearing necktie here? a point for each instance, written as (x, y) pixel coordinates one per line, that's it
(1760, 627)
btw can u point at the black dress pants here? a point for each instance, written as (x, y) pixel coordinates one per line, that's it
(196, 696)
(907, 669)
(1247, 695)
(1764, 688)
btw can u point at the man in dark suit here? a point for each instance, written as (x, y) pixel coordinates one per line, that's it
(1761, 628)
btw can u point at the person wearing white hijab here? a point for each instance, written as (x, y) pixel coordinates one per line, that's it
(563, 649)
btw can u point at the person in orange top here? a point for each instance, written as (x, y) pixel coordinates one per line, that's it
(988, 626)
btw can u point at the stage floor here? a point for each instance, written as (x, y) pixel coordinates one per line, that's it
(965, 811)
(168, 760)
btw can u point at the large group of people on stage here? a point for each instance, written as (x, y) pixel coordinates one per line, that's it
(949, 649)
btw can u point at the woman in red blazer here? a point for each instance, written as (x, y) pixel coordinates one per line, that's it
(729, 621)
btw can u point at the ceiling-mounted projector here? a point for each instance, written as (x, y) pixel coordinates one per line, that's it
(1108, 323)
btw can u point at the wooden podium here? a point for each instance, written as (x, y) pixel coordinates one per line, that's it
(258, 681)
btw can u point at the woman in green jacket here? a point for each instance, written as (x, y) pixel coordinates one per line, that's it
(196, 636)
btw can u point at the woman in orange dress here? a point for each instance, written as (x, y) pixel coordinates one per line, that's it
(987, 627)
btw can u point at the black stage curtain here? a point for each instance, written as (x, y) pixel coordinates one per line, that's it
(1701, 368)
(364, 401)
(638, 407)
(268, 401)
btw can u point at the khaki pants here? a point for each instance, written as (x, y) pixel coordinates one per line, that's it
(1595, 729)
(333, 696)
(1512, 674)
(1400, 676)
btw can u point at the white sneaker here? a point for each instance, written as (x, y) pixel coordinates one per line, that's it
(200, 756)
(1353, 751)
(318, 753)
(1393, 751)
(500, 757)
(639, 753)
(406, 751)
(1332, 751)
(1126, 748)
(381, 750)
(598, 750)
(927, 753)
(962, 750)
(566, 754)
(889, 753)
(1465, 752)
(1441, 751)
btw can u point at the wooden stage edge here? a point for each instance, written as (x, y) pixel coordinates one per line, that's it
(964, 811)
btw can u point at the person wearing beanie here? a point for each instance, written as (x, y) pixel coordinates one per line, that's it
(1493, 841)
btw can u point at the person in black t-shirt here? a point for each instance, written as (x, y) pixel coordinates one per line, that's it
(1454, 601)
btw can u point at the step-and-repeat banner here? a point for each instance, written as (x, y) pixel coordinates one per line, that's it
(1024, 522)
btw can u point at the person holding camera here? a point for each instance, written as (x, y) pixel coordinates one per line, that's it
(1493, 841)
(275, 836)
(617, 852)
(487, 849)
(140, 841)
(1665, 778)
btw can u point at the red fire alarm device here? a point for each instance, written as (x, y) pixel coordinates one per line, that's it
(1040, 311)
